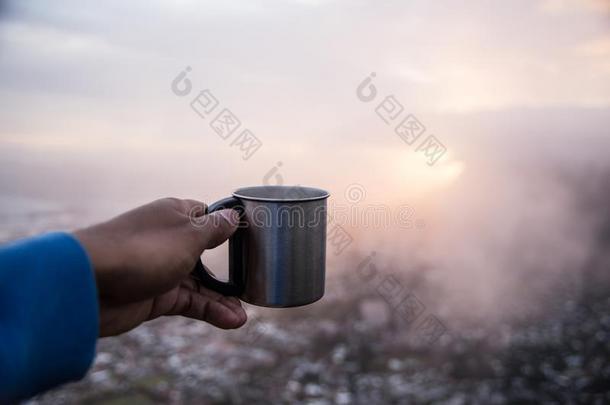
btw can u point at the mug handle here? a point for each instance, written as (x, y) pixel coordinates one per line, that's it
(236, 283)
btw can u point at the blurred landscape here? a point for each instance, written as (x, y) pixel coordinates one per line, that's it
(547, 342)
(489, 285)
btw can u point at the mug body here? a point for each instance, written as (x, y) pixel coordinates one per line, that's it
(283, 250)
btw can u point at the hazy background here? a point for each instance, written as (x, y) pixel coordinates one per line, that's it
(518, 92)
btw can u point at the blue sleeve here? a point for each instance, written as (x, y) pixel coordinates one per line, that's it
(48, 314)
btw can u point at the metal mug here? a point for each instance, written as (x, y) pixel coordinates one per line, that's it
(277, 256)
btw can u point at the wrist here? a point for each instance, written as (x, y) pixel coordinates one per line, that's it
(103, 256)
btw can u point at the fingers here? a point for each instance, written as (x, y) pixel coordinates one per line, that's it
(213, 229)
(218, 310)
(195, 285)
(192, 208)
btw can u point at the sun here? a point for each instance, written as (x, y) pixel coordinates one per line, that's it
(421, 178)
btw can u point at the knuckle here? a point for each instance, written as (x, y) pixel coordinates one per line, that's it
(171, 201)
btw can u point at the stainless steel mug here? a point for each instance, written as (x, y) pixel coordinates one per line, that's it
(277, 256)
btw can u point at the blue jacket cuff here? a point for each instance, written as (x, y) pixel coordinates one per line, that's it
(48, 314)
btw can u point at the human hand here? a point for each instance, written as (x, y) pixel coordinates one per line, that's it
(142, 261)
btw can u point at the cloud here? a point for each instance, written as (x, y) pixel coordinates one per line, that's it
(566, 6)
(98, 73)
(484, 56)
(597, 47)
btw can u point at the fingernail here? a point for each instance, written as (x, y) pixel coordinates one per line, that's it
(230, 215)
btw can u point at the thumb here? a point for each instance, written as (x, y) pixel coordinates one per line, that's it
(213, 229)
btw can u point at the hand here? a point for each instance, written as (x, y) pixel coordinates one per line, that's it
(143, 259)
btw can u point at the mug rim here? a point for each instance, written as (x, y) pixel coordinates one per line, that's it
(249, 193)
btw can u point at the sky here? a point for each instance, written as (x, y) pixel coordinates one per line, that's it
(517, 92)
(84, 83)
